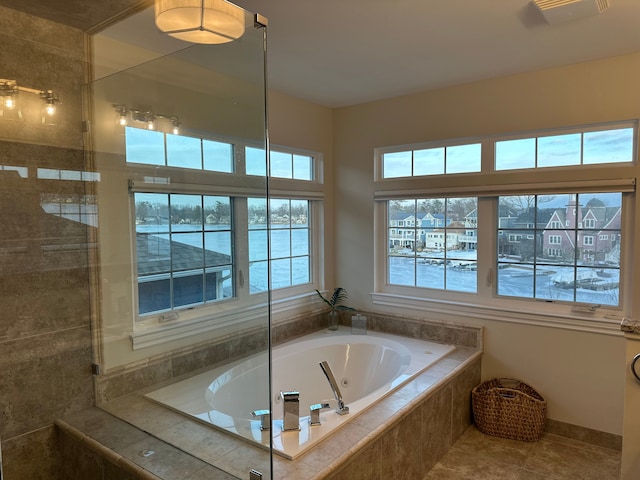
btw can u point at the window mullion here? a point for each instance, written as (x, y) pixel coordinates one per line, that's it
(487, 158)
(241, 247)
(487, 228)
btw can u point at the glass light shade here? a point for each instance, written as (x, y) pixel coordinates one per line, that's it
(200, 21)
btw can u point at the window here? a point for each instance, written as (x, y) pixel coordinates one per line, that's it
(537, 216)
(561, 264)
(199, 242)
(553, 239)
(580, 148)
(432, 161)
(444, 254)
(183, 250)
(295, 166)
(289, 244)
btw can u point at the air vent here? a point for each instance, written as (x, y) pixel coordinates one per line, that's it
(560, 11)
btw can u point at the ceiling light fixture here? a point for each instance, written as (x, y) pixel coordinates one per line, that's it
(200, 21)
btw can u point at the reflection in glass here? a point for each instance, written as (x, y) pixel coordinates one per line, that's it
(144, 146)
(170, 247)
(217, 212)
(184, 152)
(255, 161)
(174, 254)
(217, 156)
(281, 164)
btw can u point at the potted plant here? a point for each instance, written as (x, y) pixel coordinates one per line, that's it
(336, 303)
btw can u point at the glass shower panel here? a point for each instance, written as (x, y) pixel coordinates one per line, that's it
(169, 123)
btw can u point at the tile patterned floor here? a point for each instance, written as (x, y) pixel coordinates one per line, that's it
(478, 456)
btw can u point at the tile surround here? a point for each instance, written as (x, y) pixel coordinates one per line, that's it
(392, 425)
(219, 351)
(32, 456)
(45, 340)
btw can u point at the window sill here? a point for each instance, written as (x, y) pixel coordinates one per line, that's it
(198, 322)
(593, 323)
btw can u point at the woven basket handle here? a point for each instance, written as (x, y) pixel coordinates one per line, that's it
(509, 383)
(508, 393)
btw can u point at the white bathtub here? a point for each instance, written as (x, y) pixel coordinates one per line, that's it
(366, 367)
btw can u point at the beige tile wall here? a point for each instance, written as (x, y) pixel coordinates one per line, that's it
(416, 442)
(45, 341)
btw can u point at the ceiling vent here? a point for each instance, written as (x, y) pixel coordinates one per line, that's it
(560, 11)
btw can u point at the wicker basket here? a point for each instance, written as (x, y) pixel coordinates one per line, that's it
(509, 408)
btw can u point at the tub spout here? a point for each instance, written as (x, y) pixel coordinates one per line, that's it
(326, 369)
(291, 417)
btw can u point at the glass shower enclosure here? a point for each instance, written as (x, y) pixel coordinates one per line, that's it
(177, 140)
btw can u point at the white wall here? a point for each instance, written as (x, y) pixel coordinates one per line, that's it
(581, 374)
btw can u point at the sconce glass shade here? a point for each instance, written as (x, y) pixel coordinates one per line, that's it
(200, 21)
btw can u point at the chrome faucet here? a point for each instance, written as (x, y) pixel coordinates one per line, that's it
(314, 413)
(326, 369)
(265, 419)
(291, 416)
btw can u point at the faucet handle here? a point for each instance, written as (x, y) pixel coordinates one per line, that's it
(265, 418)
(314, 412)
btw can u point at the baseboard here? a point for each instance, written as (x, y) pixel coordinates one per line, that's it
(583, 434)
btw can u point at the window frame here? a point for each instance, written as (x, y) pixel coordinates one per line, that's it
(488, 184)
(165, 326)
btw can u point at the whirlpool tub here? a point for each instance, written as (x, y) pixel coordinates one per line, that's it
(365, 367)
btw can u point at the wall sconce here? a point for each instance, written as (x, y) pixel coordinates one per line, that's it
(10, 92)
(146, 117)
(200, 21)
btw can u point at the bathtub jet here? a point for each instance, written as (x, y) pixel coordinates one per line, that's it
(326, 369)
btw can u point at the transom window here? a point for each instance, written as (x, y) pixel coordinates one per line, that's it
(151, 147)
(580, 148)
(295, 166)
(432, 161)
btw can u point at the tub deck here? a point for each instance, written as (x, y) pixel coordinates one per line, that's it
(412, 428)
